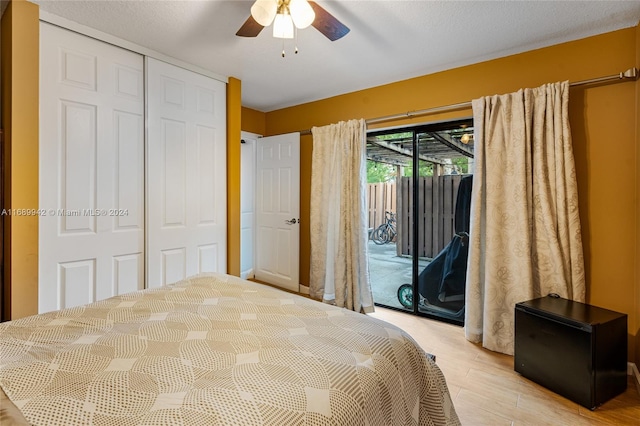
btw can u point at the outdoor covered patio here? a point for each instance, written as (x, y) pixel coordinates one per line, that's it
(388, 272)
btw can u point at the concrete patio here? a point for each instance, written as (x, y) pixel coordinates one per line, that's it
(388, 272)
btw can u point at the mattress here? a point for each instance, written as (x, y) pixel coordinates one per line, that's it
(216, 350)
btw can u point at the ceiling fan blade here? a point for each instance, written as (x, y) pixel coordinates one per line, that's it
(250, 28)
(327, 24)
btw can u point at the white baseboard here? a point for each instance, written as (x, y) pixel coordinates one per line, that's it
(304, 289)
(632, 370)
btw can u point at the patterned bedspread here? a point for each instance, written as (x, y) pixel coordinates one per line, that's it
(218, 350)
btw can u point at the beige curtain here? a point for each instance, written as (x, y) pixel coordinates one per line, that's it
(339, 259)
(525, 231)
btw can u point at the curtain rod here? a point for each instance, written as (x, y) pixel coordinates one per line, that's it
(629, 75)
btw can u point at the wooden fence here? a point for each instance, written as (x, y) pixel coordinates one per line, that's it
(437, 197)
(381, 197)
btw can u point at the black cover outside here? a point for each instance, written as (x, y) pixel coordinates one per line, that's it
(445, 276)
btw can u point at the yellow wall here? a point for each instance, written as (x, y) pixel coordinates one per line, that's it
(20, 38)
(234, 95)
(603, 121)
(253, 121)
(636, 328)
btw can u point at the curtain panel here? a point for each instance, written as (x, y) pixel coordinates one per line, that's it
(525, 239)
(338, 213)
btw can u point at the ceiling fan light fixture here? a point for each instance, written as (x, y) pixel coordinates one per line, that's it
(263, 11)
(302, 13)
(296, 14)
(283, 26)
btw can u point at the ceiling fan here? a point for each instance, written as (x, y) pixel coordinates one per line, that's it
(284, 14)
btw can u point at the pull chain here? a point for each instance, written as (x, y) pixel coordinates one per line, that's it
(295, 29)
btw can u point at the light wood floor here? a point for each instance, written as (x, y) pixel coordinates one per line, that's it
(486, 391)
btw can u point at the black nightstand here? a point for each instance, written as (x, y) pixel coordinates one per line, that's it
(576, 350)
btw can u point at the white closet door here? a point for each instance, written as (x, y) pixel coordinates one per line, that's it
(91, 237)
(186, 174)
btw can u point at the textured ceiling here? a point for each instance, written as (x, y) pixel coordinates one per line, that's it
(389, 40)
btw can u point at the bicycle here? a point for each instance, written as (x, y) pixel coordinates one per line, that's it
(386, 232)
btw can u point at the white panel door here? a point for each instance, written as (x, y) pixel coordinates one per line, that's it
(278, 211)
(91, 229)
(247, 203)
(186, 174)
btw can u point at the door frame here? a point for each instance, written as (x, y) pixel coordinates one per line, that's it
(248, 173)
(414, 226)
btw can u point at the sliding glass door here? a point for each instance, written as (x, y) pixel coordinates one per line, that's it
(419, 195)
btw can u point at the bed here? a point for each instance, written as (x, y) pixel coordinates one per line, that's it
(213, 350)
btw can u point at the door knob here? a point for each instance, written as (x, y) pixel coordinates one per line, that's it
(291, 221)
